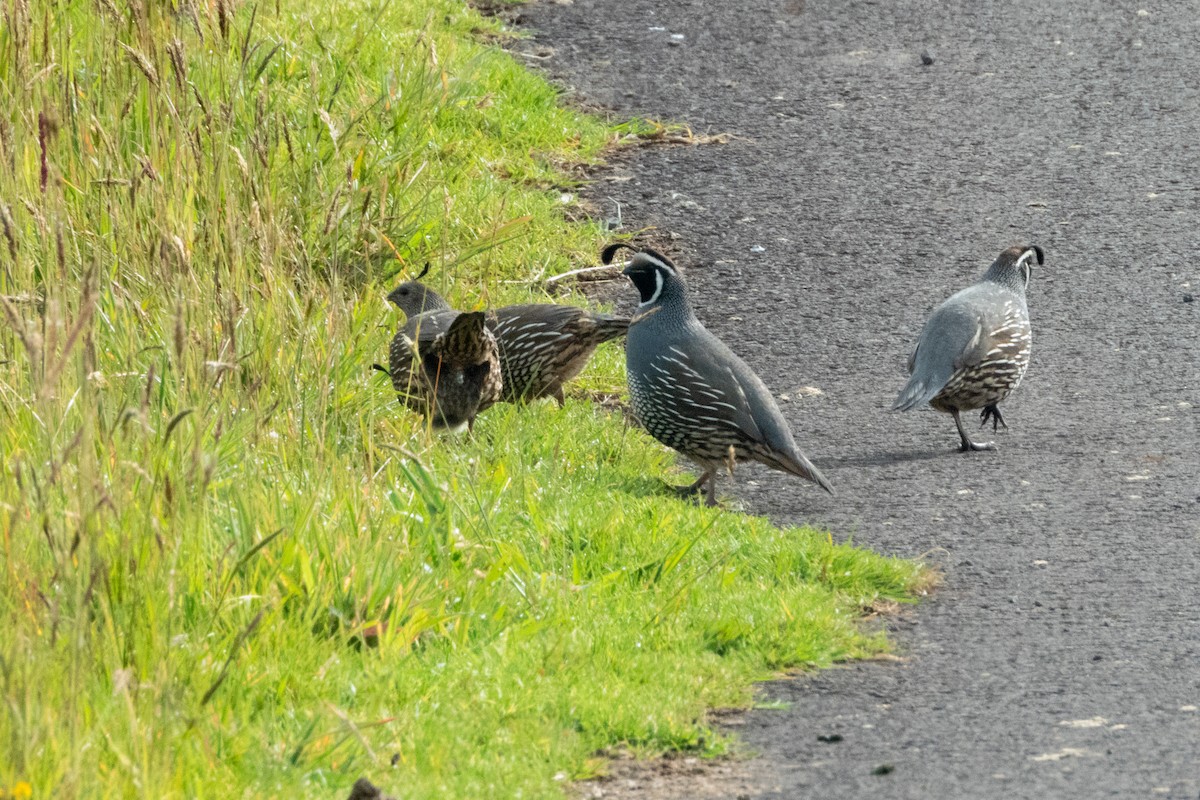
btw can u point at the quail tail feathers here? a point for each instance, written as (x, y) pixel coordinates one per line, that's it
(795, 463)
(463, 370)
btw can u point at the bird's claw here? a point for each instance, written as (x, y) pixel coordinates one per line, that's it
(691, 490)
(992, 412)
(695, 490)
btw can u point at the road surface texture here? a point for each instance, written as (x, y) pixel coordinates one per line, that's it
(1061, 658)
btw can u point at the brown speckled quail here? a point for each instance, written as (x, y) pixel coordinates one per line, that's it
(449, 372)
(975, 347)
(542, 345)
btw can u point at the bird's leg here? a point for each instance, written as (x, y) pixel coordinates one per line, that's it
(710, 498)
(706, 480)
(559, 397)
(992, 412)
(967, 444)
(692, 488)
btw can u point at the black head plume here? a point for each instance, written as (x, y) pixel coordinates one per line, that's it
(606, 255)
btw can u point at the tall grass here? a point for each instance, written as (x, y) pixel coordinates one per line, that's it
(232, 565)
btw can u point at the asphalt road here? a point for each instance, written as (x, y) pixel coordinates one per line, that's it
(1061, 659)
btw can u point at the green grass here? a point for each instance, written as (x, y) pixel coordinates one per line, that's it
(207, 499)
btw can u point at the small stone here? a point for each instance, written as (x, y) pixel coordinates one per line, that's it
(1093, 722)
(1188, 297)
(926, 58)
(883, 769)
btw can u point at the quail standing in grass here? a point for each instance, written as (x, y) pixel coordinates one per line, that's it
(542, 345)
(691, 392)
(975, 347)
(450, 372)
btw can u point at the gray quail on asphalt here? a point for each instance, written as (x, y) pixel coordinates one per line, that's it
(542, 345)
(450, 372)
(975, 347)
(691, 392)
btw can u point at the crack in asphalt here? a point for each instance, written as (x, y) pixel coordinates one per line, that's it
(883, 155)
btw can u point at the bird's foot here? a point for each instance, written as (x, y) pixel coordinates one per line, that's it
(691, 490)
(992, 412)
(967, 444)
(702, 486)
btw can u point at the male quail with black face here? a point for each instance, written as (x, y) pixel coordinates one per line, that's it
(691, 392)
(975, 347)
(542, 345)
(450, 372)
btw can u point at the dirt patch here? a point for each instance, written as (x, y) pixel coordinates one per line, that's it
(673, 777)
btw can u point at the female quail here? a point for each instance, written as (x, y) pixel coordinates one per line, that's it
(974, 349)
(691, 392)
(449, 372)
(542, 345)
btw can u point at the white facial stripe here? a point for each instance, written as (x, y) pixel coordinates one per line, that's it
(1026, 267)
(658, 287)
(657, 263)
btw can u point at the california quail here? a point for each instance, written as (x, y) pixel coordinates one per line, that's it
(450, 372)
(542, 345)
(691, 392)
(974, 349)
